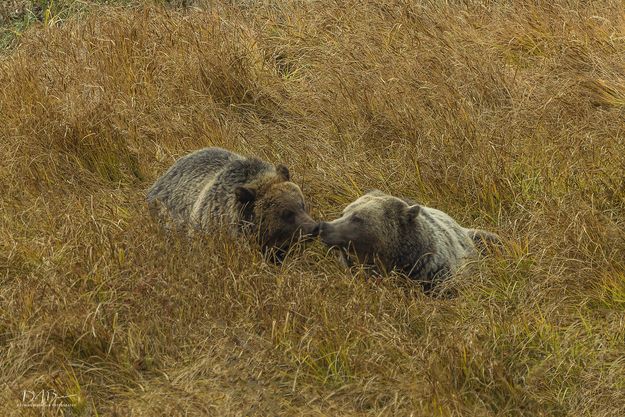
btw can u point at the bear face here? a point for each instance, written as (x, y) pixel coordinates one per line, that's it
(371, 227)
(278, 210)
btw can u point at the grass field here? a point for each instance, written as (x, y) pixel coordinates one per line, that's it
(509, 115)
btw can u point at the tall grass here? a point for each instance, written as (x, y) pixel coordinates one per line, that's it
(507, 115)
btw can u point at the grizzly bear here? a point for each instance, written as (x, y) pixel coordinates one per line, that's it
(380, 230)
(214, 186)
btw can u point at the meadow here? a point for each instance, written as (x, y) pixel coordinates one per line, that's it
(509, 115)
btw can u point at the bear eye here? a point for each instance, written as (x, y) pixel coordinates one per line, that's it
(358, 219)
(287, 215)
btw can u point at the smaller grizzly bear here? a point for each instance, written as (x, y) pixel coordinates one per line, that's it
(213, 186)
(423, 243)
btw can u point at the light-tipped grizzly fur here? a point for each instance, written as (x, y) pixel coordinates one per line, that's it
(214, 186)
(423, 243)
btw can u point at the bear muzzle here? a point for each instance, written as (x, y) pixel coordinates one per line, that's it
(315, 230)
(308, 228)
(329, 236)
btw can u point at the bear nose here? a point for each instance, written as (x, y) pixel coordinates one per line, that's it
(321, 227)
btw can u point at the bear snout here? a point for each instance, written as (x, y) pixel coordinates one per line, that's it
(308, 227)
(314, 232)
(327, 234)
(308, 231)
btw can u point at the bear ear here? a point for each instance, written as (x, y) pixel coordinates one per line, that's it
(412, 212)
(245, 194)
(283, 172)
(374, 192)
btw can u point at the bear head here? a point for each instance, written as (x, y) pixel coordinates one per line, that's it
(276, 207)
(374, 227)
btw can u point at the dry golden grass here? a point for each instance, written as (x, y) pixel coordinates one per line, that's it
(508, 115)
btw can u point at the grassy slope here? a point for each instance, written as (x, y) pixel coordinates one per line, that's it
(508, 115)
(16, 16)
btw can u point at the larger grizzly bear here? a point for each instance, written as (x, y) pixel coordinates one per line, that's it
(423, 243)
(214, 186)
